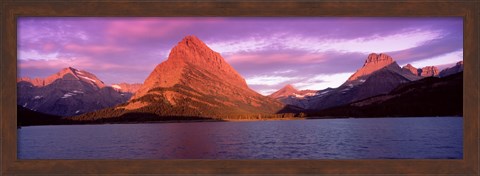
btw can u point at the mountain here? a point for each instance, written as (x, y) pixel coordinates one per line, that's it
(194, 81)
(373, 63)
(65, 74)
(411, 69)
(452, 70)
(284, 92)
(291, 96)
(289, 90)
(126, 87)
(66, 93)
(430, 96)
(427, 71)
(379, 75)
(377, 63)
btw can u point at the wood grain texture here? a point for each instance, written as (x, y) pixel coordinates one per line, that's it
(10, 10)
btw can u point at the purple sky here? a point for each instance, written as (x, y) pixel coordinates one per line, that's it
(310, 53)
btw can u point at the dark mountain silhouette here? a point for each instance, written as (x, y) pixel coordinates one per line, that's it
(430, 96)
(452, 70)
(27, 117)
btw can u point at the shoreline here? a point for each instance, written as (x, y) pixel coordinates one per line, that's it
(336, 117)
(271, 119)
(229, 120)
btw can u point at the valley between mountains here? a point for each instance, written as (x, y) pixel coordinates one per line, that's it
(196, 83)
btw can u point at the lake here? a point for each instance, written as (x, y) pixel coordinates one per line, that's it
(354, 138)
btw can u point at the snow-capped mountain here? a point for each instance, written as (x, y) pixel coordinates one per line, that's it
(289, 90)
(290, 95)
(66, 93)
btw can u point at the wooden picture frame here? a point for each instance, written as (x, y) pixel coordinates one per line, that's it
(11, 10)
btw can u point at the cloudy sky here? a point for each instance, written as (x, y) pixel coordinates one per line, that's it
(310, 53)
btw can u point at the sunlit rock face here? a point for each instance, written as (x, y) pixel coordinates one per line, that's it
(197, 81)
(411, 69)
(373, 63)
(429, 71)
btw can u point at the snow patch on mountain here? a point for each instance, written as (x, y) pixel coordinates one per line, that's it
(77, 91)
(116, 87)
(68, 95)
(87, 78)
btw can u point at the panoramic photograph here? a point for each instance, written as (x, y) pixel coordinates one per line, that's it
(239, 88)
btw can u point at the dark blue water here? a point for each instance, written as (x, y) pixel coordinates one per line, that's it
(382, 138)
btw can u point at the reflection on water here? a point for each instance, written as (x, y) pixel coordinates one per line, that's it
(298, 139)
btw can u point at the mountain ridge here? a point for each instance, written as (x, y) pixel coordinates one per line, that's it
(66, 73)
(458, 67)
(379, 74)
(431, 96)
(67, 92)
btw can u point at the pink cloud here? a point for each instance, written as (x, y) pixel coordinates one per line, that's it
(48, 47)
(144, 28)
(80, 63)
(94, 49)
(49, 64)
(288, 58)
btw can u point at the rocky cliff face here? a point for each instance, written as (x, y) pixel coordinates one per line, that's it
(373, 63)
(66, 93)
(432, 71)
(190, 54)
(411, 69)
(428, 71)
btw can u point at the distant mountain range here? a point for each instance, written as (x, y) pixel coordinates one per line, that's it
(127, 88)
(69, 92)
(423, 72)
(452, 70)
(379, 75)
(196, 82)
(432, 96)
